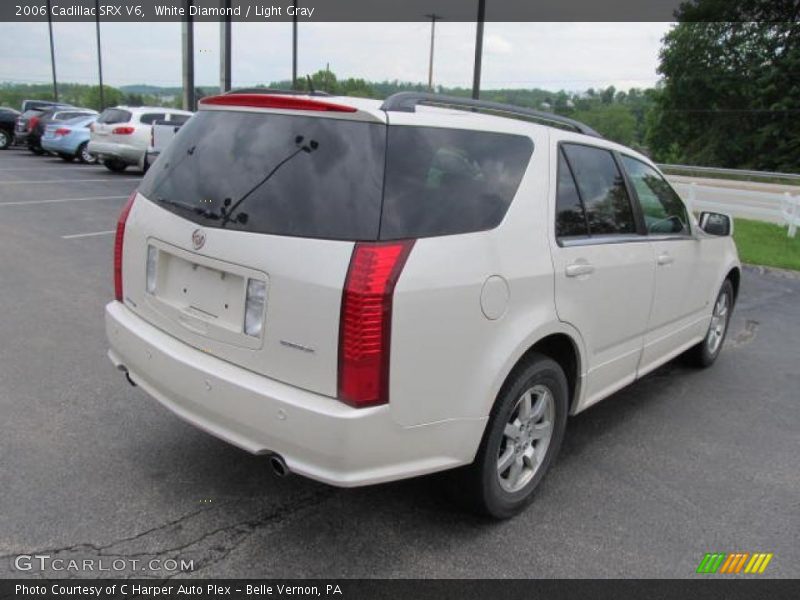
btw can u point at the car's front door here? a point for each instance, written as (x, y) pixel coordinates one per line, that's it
(604, 265)
(677, 317)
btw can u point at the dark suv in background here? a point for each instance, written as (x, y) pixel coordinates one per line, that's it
(8, 117)
(27, 121)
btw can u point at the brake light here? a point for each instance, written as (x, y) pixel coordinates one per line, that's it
(118, 243)
(365, 324)
(122, 130)
(32, 123)
(281, 101)
(63, 131)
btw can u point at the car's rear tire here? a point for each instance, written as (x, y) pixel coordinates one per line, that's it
(522, 438)
(84, 155)
(5, 139)
(67, 157)
(706, 352)
(115, 165)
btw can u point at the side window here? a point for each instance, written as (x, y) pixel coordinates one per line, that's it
(570, 216)
(179, 119)
(663, 210)
(148, 118)
(602, 190)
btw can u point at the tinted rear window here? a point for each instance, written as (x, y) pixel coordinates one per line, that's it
(111, 116)
(324, 178)
(289, 175)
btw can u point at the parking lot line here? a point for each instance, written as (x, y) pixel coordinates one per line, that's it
(58, 200)
(75, 236)
(70, 181)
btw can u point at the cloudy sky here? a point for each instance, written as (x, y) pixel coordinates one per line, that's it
(572, 56)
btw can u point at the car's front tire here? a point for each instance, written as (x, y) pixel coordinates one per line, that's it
(523, 437)
(706, 352)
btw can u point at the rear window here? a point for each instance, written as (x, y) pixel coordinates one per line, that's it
(324, 178)
(112, 116)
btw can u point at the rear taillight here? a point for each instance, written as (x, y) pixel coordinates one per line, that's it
(118, 243)
(122, 130)
(63, 131)
(32, 123)
(365, 325)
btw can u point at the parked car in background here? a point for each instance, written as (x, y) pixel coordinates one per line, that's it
(8, 119)
(42, 104)
(70, 139)
(53, 116)
(27, 121)
(161, 134)
(370, 291)
(121, 135)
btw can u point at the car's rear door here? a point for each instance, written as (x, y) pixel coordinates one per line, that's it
(604, 266)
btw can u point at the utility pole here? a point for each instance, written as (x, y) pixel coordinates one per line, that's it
(433, 17)
(52, 52)
(476, 77)
(187, 39)
(294, 48)
(99, 54)
(225, 50)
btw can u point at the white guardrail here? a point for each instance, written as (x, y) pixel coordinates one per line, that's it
(775, 206)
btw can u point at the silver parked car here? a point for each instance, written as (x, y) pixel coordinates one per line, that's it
(121, 135)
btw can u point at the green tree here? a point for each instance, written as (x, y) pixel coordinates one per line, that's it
(731, 92)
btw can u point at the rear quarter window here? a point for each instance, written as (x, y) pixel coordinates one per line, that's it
(148, 118)
(112, 116)
(449, 181)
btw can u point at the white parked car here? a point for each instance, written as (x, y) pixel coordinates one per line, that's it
(121, 135)
(367, 292)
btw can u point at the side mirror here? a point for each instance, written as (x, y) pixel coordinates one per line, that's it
(716, 223)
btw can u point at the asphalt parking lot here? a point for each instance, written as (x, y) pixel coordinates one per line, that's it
(681, 463)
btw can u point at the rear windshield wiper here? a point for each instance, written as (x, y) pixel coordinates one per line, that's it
(203, 212)
(227, 215)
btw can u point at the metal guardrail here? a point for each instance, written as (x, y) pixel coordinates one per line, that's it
(774, 207)
(721, 171)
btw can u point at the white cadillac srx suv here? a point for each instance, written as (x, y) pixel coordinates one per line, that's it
(369, 291)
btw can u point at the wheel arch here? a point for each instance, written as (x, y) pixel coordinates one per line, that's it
(561, 346)
(735, 276)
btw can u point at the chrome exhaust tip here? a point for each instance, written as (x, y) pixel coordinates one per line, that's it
(278, 465)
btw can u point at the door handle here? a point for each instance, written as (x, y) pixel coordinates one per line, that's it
(665, 259)
(578, 269)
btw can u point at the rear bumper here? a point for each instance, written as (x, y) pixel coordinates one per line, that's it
(130, 155)
(59, 145)
(317, 436)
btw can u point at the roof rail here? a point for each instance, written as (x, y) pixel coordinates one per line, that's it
(407, 102)
(263, 90)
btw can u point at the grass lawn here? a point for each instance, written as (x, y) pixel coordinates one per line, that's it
(766, 244)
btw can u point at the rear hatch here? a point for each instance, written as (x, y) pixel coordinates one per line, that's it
(240, 241)
(260, 206)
